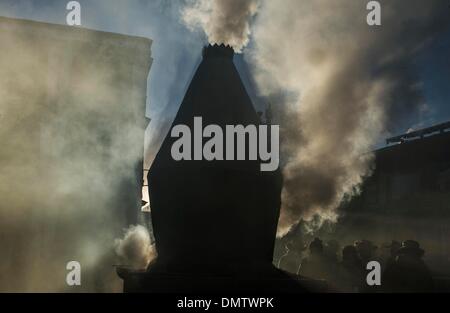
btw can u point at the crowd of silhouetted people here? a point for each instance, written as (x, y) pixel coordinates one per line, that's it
(345, 270)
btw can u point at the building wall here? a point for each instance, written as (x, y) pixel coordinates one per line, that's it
(407, 197)
(72, 113)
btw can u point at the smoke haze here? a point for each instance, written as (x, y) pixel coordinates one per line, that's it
(69, 151)
(348, 84)
(135, 249)
(51, 215)
(335, 83)
(224, 22)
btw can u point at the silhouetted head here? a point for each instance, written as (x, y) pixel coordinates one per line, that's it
(411, 248)
(365, 248)
(316, 246)
(349, 254)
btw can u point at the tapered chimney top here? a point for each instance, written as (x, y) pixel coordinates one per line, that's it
(218, 51)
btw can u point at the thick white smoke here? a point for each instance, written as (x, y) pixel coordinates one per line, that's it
(68, 152)
(68, 209)
(336, 83)
(136, 249)
(350, 81)
(224, 22)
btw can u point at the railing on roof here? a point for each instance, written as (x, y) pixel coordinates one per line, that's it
(419, 134)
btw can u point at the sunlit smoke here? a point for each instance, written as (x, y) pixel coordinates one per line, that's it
(224, 21)
(136, 249)
(69, 151)
(337, 84)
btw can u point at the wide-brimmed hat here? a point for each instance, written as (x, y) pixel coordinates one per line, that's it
(411, 247)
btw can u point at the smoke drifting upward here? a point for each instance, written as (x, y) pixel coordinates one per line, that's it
(337, 84)
(224, 22)
(135, 249)
(69, 151)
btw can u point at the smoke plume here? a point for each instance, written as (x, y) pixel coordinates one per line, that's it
(69, 150)
(48, 214)
(224, 22)
(135, 249)
(337, 85)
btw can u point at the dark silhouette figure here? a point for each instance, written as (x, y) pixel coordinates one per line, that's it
(316, 265)
(214, 222)
(351, 271)
(211, 212)
(366, 251)
(408, 273)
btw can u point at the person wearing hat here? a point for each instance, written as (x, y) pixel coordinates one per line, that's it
(315, 265)
(366, 250)
(411, 248)
(351, 271)
(408, 273)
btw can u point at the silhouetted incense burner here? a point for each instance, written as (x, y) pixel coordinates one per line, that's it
(214, 222)
(211, 215)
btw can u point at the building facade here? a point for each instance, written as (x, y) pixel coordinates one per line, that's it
(408, 195)
(72, 112)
